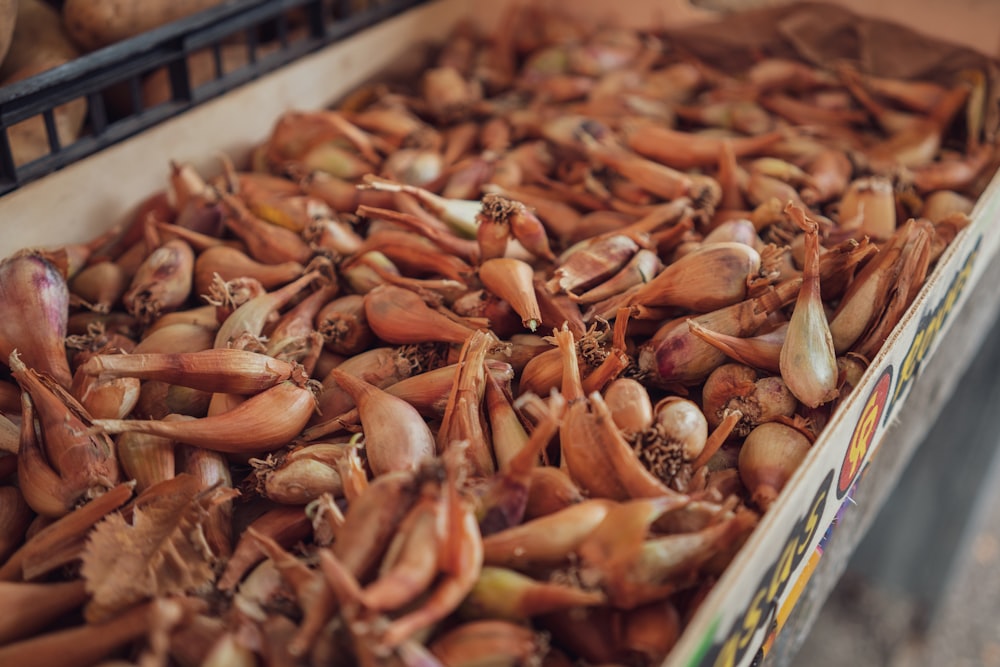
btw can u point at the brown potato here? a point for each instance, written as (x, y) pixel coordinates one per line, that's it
(38, 37)
(8, 14)
(96, 23)
(39, 43)
(201, 70)
(28, 139)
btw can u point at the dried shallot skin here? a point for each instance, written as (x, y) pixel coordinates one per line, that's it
(502, 363)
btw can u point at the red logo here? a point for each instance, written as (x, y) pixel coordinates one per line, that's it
(864, 432)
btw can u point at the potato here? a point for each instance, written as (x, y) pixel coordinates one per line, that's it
(8, 14)
(38, 37)
(28, 139)
(39, 43)
(96, 23)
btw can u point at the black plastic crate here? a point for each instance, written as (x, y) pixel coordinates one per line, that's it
(263, 34)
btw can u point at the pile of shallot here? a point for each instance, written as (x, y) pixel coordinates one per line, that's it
(506, 365)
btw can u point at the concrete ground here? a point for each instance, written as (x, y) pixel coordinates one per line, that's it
(865, 624)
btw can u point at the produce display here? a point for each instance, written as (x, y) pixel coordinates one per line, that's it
(505, 361)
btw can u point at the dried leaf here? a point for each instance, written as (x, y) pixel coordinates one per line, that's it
(163, 551)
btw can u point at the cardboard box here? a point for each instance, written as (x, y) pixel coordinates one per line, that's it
(758, 587)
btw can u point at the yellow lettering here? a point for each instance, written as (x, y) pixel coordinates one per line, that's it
(963, 277)
(926, 341)
(967, 267)
(956, 289)
(951, 297)
(959, 285)
(812, 523)
(782, 570)
(727, 655)
(752, 619)
(862, 436)
(909, 365)
(786, 564)
(934, 326)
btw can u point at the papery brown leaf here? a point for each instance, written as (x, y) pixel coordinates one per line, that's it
(163, 551)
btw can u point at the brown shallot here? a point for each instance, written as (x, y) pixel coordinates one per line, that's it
(33, 287)
(396, 436)
(808, 362)
(264, 422)
(225, 370)
(769, 456)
